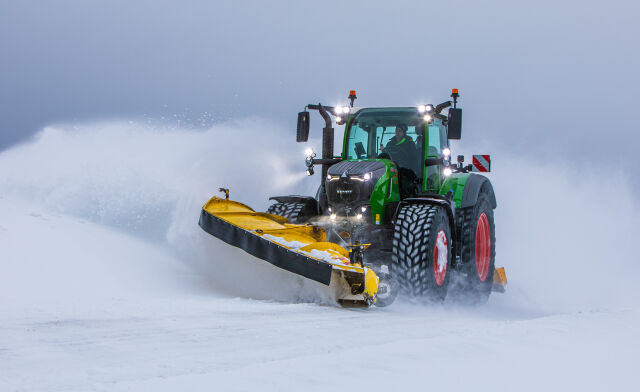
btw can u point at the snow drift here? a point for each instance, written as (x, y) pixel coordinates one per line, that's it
(564, 238)
(150, 183)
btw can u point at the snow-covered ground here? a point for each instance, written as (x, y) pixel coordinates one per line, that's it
(108, 284)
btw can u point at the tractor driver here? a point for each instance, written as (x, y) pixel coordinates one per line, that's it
(401, 148)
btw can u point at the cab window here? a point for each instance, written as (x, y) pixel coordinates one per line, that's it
(358, 143)
(437, 140)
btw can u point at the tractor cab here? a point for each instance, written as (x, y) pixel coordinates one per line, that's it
(392, 153)
(371, 134)
(398, 134)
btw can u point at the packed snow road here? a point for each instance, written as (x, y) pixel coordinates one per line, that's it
(108, 284)
(214, 344)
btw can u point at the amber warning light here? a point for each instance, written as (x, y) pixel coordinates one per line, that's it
(454, 95)
(352, 96)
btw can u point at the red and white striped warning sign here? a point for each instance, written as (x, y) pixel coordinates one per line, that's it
(481, 163)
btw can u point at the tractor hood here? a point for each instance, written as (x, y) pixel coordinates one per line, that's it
(351, 183)
(357, 168)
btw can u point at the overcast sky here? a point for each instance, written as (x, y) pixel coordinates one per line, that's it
(541, 78)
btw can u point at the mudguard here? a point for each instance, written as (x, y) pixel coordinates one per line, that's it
(295, 199)
(472, 191)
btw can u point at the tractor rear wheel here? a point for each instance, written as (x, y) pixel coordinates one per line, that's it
(478, 252)
(422, 251)
(295, 212)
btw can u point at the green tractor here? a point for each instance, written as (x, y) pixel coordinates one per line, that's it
(427, 224)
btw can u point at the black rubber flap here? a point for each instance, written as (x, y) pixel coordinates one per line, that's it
(266, 250)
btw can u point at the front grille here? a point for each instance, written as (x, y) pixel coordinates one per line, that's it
(343, 191)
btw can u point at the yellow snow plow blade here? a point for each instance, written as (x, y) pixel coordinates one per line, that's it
(301, 249)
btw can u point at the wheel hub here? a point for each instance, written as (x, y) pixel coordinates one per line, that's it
(483, 247)
(440, 258)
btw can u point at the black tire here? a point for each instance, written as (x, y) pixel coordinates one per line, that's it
(387, 289)
(295, 212)
(474, 279)
(416, 232)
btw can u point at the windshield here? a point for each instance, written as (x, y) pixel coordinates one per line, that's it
(391, 133)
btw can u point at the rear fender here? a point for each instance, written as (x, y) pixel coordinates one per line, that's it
(472, 191)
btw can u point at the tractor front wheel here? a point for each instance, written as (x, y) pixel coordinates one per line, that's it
(422, 251)
(295, 212)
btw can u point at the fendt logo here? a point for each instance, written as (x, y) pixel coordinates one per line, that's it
(344, 191)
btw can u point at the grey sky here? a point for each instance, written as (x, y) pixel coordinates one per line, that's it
(542, 78)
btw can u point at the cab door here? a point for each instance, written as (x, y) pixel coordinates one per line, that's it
(434, 143)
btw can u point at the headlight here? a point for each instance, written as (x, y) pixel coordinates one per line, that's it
(342, 109)
(364, 177)
(447, 172)
(359, 216)
(422, 108)
(446, 152)
(369, 176)
(333, 216)
(427, 118)
(308, 152)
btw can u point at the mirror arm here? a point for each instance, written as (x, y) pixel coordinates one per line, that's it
(317, 107)
(442, 106)
(325, 116)
(327, 135)
(326, 161)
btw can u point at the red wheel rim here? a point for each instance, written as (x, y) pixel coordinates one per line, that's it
(440, 258)
(483, 247)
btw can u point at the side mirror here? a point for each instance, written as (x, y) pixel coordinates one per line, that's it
(433, 161)
(454, 124)
(302, 134)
